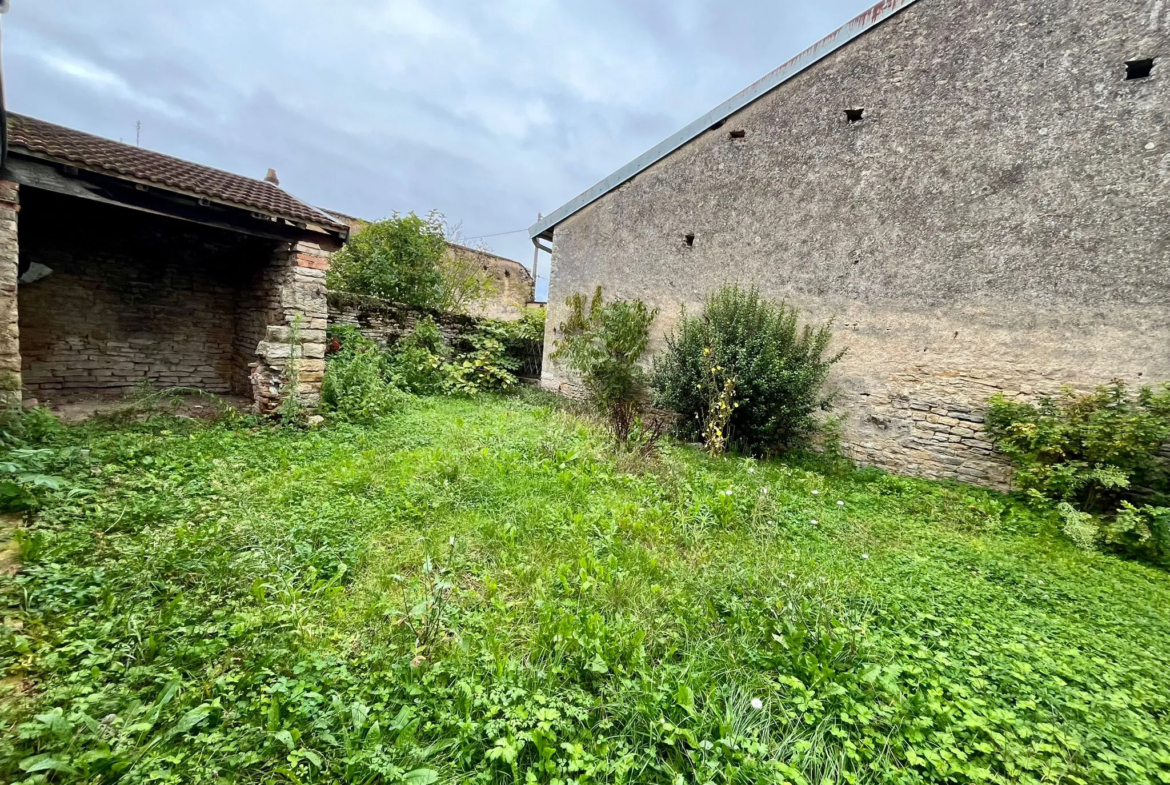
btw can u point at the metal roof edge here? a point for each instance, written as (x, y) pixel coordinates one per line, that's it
(814, 54)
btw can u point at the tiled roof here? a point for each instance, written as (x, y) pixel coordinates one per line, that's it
(27, 134)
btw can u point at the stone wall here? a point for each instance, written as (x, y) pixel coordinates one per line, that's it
(9, 269)
(128, 298)
(996, 221)
(111, 298)
(385, 322)
(514, 285)
(292, 298)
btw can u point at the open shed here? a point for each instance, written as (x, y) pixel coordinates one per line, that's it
(120, 266)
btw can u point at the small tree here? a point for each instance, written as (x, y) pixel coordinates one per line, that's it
(745, 347)
(604, 344)
(396, 259)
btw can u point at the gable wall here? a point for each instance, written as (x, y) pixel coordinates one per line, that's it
(998, 221)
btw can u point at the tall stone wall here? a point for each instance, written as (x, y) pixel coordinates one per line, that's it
(10, 381)
(996, 221)
(112, 298)
(127, 298)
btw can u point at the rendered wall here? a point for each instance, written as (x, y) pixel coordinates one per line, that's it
(998, 221)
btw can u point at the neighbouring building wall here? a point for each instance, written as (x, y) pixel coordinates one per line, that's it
(9, 326)
(514, 287)
(998, 221)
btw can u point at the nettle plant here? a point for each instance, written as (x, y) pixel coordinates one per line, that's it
(604, 343)
(1098, 457)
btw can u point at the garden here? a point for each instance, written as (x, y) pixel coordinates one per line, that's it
(679, 580)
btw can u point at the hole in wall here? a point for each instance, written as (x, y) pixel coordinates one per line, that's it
(690, 239)
(717, 125)
(1139, 69)
(855, 115)
(507, 273)
(739, 133)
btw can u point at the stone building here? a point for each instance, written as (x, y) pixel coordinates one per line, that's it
(514, 288)
(120, 266)
(978, 194)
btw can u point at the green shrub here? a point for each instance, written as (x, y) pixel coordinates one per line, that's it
(776, 369)
(1097, 457)
(358, 385)
(424, 364)
(604, 344)
(417, 360)
(397, 259)
(485, 366)
(28, 460)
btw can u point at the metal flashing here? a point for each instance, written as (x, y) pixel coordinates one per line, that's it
(543, 229)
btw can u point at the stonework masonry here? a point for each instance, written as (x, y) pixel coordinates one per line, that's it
(385, 323)
(10, 383)
(295, 317)
(996, 221)
(127, 298)
(514, 287)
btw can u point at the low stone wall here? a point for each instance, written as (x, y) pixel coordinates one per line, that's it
(385, 323)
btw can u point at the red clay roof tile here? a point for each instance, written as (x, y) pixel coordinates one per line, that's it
(116, 158)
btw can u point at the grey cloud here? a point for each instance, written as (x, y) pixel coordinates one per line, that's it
(490, 112)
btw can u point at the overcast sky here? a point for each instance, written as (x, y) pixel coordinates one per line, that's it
(488, 111)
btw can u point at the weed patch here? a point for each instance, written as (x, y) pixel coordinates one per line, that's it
(478, 591)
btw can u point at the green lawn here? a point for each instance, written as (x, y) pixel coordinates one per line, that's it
(479, 591)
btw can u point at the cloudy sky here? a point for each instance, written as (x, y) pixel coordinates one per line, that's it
(488, 111)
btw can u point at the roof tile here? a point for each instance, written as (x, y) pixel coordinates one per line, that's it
(116, 158)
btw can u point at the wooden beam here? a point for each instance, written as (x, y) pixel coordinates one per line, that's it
(156, 201)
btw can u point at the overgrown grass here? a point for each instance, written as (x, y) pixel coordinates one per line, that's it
(480, 592)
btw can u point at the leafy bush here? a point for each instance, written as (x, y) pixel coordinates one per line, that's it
(424, 364)
(358, 385)
(417, 359)
(486, 365)
(604, 344)
(412, 260)
(397, 259)
(1097, 457)
(776, 370)
(28, 462)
